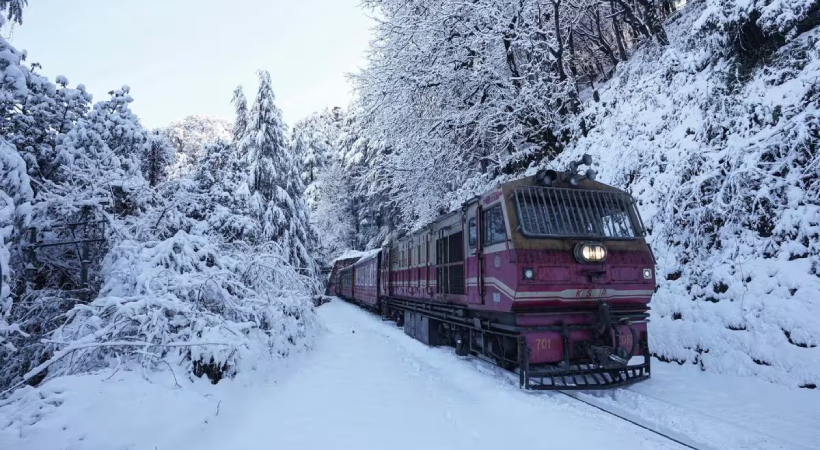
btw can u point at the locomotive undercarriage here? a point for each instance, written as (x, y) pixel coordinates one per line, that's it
(496, 337)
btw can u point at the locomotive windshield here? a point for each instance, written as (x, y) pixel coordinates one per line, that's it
(551, 212)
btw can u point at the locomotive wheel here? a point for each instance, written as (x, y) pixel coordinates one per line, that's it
(461, 344)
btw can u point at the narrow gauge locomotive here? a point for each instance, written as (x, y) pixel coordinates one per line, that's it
(549, 274)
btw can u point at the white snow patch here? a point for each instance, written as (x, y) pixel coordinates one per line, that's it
(368, 385)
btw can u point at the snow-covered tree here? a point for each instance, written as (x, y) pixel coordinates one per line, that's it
(314, 140)
(222, 180)
(331, 212)
(240, 104)
(349, 198)
(15, 186)
(99, 162)
(274, 181)
(15, 203)
(156, 158)
(12, 10)
(37, 122)
(189, 137)
(173, 264)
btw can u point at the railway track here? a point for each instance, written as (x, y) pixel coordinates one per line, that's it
(760, 437)
(634, 419)
(639, 422)
(648, 425)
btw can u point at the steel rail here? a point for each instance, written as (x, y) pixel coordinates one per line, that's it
(679, 439)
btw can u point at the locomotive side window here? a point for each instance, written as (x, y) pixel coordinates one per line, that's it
(473, 236)
(450, 264)
(495, 231)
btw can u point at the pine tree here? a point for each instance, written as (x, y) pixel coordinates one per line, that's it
(13, 10)
(157, 157)
(225, 201)
(240, 104)
(314, 141)
(273, 177)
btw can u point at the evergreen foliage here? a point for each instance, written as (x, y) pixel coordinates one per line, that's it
(198, 255)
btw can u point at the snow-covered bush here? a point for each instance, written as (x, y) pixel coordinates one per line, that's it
(747, 25)
(183, 300)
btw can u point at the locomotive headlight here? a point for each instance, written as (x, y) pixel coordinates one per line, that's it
(587, 252)
(529, 274)
(647, 274)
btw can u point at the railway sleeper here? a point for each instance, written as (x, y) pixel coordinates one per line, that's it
(506, 346)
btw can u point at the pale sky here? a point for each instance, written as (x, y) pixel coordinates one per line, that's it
(184, 57)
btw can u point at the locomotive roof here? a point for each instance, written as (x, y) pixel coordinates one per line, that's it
(560, 183)
(507, 188)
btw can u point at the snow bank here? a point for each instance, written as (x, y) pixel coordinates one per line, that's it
(122, 409)
(723, 160)
(366, 383)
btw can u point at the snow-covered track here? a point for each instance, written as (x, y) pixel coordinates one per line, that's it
(683, 414)
(639, 422)
(710, 429)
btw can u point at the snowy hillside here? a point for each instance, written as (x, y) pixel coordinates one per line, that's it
(722, 156)
(709, 117)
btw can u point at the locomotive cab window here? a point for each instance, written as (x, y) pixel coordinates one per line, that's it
(495, 231)
(548, 212)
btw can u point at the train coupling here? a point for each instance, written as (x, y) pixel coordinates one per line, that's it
(609, 357)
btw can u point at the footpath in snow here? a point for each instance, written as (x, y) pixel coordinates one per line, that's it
(366, 385)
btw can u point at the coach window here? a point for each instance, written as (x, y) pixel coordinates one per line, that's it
(472, 232)
(495, 231)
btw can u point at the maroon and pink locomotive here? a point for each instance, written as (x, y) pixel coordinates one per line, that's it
(549, 275)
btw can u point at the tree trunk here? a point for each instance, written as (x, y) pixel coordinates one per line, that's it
(619, 38)
(559, 54)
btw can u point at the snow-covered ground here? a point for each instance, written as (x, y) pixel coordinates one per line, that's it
(367, 385)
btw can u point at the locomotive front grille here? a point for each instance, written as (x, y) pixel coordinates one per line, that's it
(560, 212)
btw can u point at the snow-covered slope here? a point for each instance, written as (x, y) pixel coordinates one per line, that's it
(722, 155)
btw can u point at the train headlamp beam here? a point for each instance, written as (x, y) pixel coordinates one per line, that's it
(590, 252)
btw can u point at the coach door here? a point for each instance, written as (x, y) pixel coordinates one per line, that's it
(473, 263)
(392, 269)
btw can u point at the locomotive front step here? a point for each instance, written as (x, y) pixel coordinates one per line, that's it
(582, 376)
